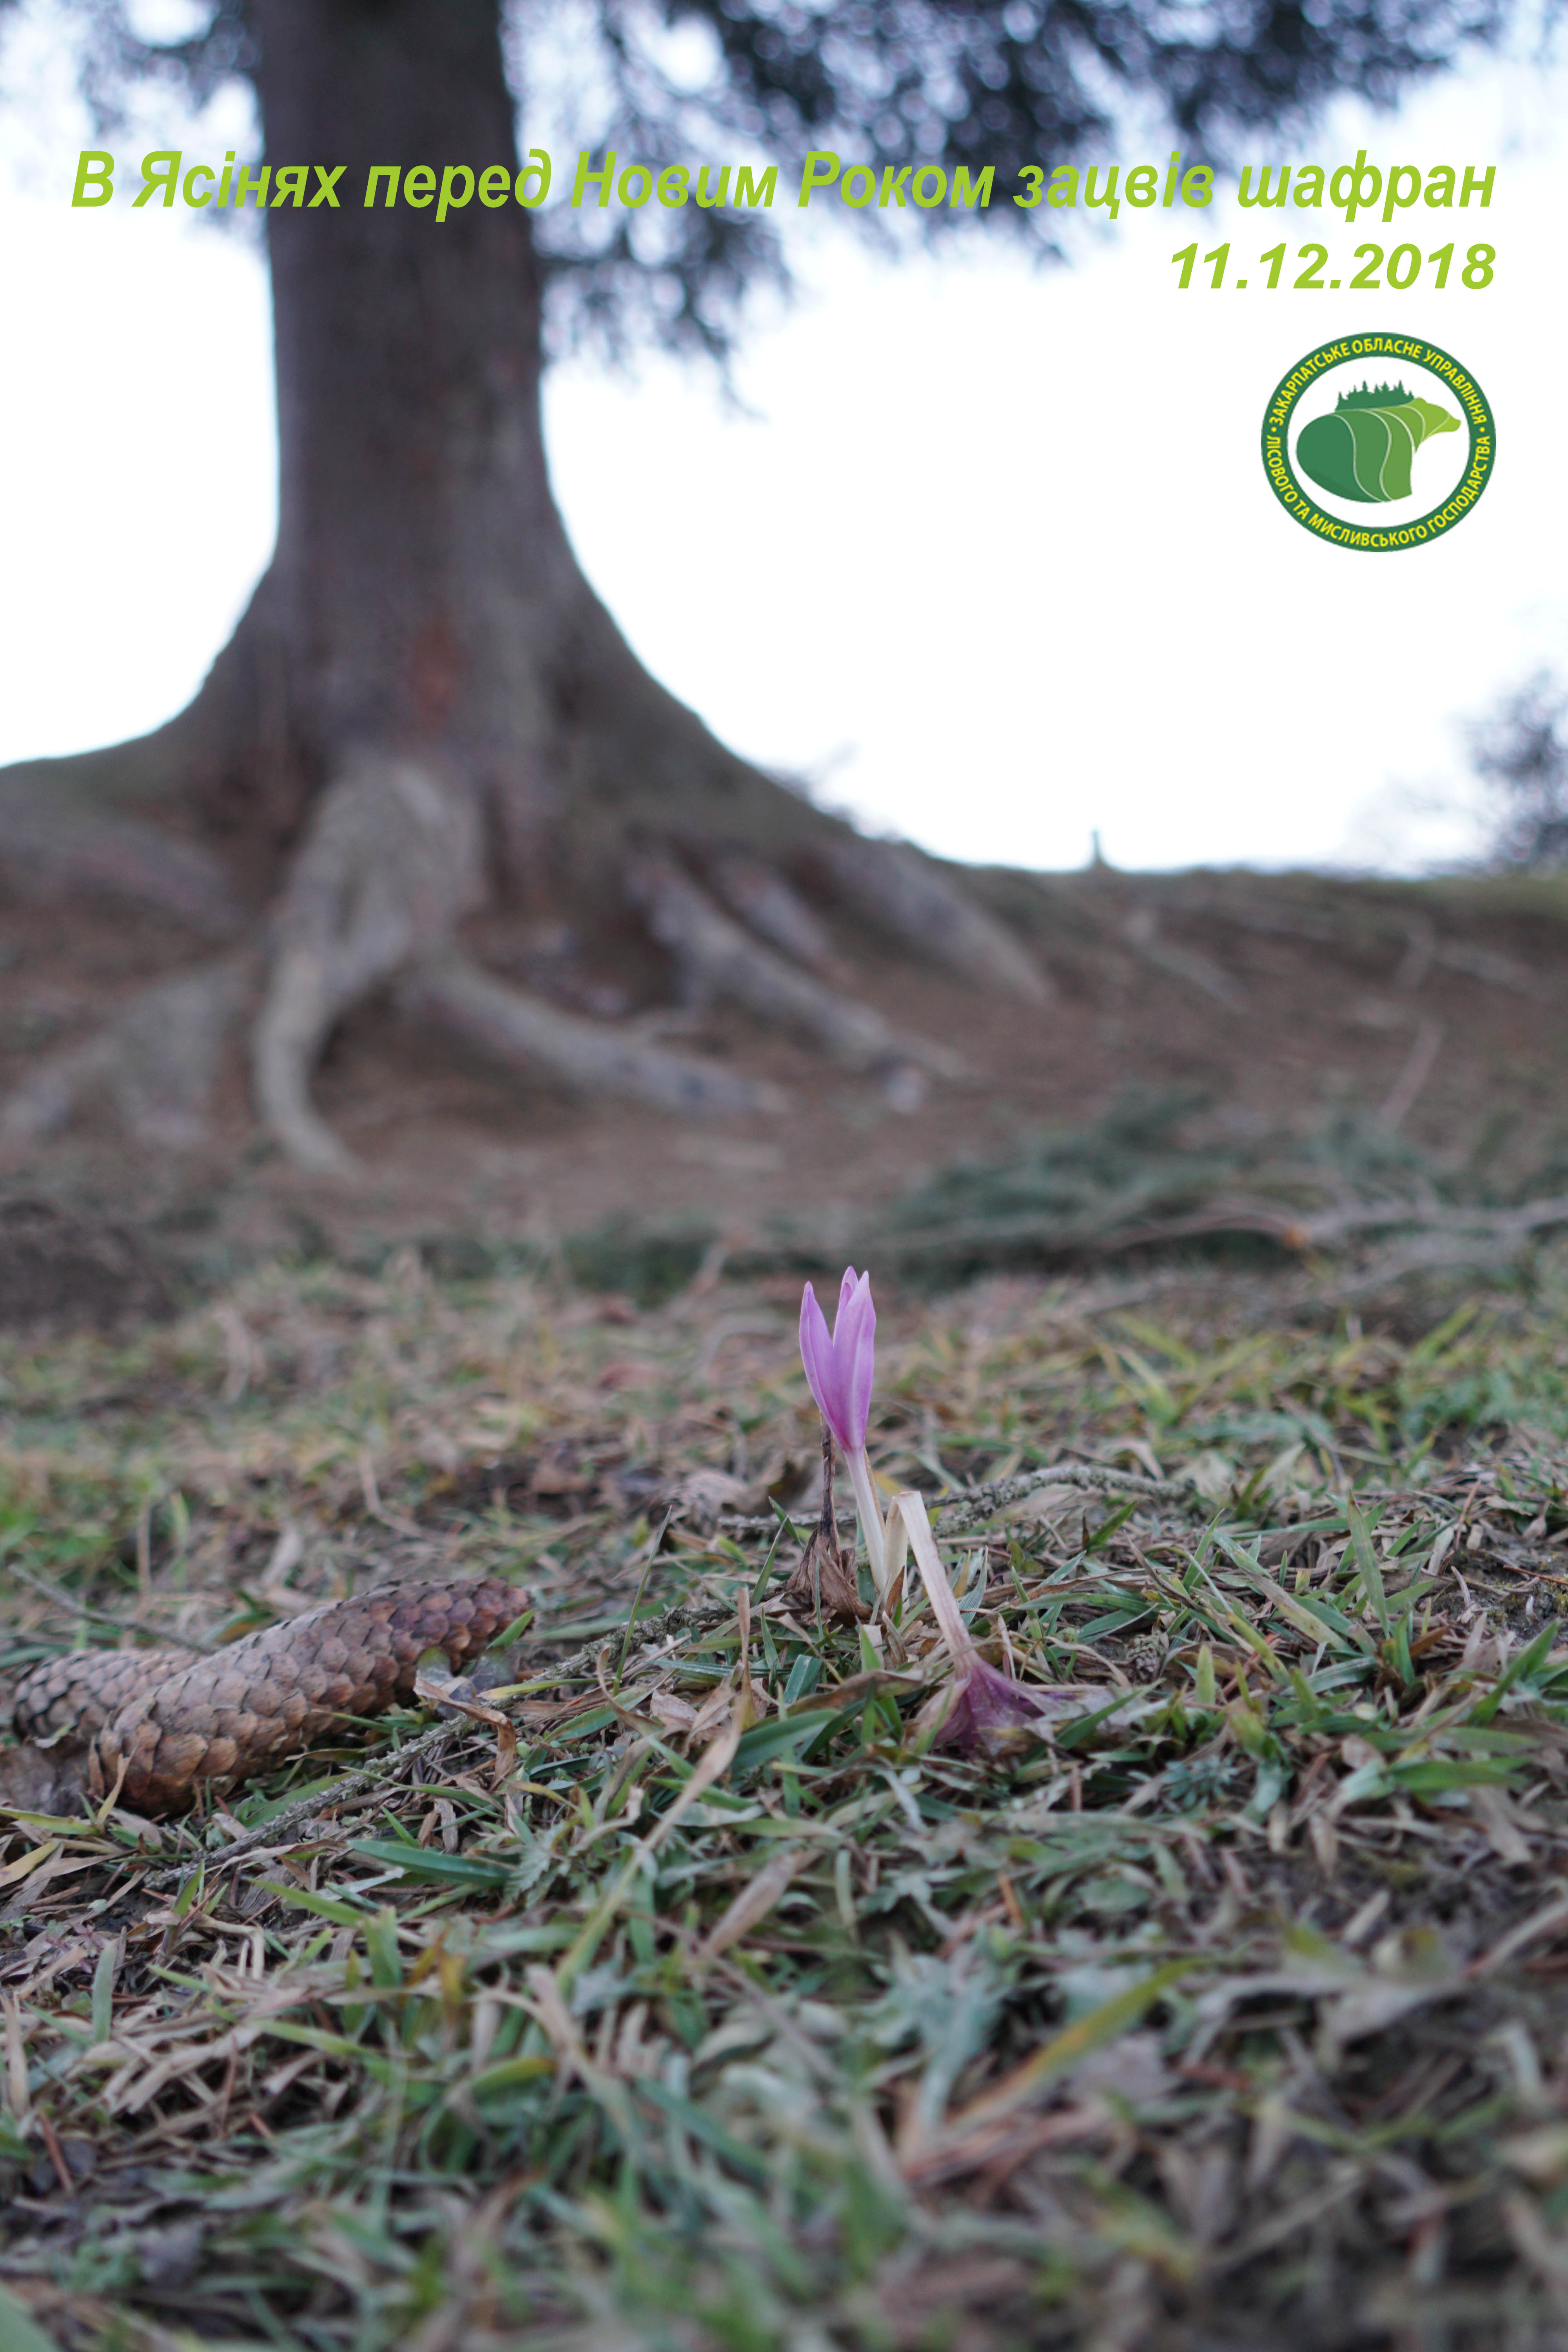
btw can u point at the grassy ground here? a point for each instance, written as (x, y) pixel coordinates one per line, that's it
(729, 2010)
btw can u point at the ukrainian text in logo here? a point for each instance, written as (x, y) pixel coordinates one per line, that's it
(1378, 442)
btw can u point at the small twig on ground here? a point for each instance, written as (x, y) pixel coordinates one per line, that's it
(966, 1510)
(160, 1637)
(970, 1506)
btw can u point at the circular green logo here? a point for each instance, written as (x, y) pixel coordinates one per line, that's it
(1378, 442)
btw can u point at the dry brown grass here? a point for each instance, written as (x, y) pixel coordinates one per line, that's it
(1228, 2014)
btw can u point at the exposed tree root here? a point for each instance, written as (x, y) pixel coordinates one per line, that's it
(524, 1033)
(391, 863)
(717, 959)
(767, 905)
(157, 1063)
(51, 849)
(1141, 932)
(397, 850)
(906, 894)
(389, 868)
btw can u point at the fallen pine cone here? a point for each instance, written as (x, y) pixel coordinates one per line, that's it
(173, 1722)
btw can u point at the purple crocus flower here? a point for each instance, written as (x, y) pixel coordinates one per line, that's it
(989, 1711)
(839, 1365)
(839, 1368)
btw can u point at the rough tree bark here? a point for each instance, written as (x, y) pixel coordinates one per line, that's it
(425, 709)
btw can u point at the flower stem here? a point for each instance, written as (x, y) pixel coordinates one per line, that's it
(868, 1511)
(944, 1608)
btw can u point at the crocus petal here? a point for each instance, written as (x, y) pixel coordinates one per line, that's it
(855, 1354)
(839, 1370)
(995, 1697)
(816, 1355)
(990, 1710)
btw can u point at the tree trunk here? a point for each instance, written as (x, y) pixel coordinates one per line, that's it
(420, 560)
(424, 596)
(425, 705)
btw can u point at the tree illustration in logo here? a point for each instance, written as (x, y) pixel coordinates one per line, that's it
(1363, 450)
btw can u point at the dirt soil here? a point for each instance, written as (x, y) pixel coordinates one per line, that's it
(1275, 999)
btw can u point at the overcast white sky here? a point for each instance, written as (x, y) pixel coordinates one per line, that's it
(994, 553)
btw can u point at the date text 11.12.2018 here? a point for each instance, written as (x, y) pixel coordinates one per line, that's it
(1403, 268)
